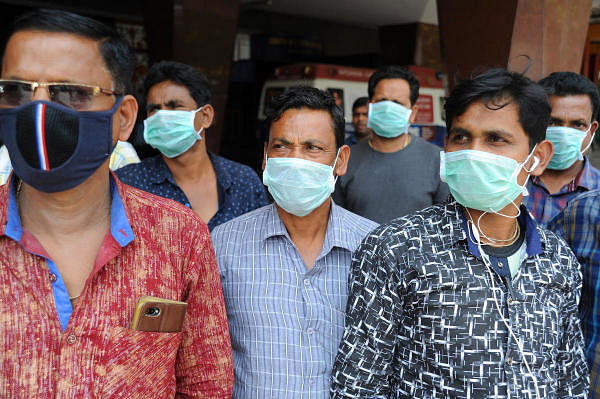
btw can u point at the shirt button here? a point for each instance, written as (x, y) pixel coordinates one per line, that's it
(310, 331)
(509, 361)
(306, 282)
(71, 339)
(500, 264)
(52, 277)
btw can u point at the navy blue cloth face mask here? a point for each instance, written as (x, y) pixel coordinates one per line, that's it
(54, 148)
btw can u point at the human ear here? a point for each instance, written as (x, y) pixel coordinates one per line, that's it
(124, 118)
(204, 117)
(585, 146)
(543, 151)
(342, 161)
(413, 114)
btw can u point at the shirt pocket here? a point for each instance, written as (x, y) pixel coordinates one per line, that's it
(140, 364)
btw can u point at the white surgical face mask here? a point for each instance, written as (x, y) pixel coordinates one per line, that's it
(171, 131)
(297, 185)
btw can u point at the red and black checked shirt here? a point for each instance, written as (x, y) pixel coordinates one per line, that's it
(97, 356)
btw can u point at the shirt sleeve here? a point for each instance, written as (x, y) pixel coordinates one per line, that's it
(204, 365)
(366, 354)
(572, 369)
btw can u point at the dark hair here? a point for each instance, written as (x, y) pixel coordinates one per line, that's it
(307, 97)
(360, 102)
(395, 72)
(497, 88)
(183, 74)
(116, 52)
(572, 84)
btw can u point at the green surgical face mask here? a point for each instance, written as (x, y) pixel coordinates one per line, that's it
(567, 146)
(388, 119)
(482, 180)
(171, 132)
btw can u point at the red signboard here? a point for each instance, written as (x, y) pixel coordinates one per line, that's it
(425, 114)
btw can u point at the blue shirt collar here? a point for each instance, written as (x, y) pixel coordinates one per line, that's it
(159, 171)
(120, 228)
(532, 236)
(335, 235)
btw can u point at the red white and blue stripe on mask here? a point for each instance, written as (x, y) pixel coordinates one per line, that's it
(40, 133)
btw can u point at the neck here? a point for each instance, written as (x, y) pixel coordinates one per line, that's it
(554, 180)
(67, 212)
(499, 229)
(307, 228)
(193, 164)
(360, 136)
(383, 144)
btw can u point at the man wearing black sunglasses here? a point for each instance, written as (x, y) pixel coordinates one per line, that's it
(78, 249)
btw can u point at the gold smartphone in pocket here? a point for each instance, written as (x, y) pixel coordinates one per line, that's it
(158, 315)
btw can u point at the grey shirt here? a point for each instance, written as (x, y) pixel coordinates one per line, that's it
(383, 186)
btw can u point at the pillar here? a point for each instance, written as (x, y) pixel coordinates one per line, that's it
(481, 34)
(200, 33)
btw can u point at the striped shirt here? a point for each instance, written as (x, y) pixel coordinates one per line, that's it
(285, 320)
(122, 155)
(425, 316)
(545, 206)
(579, 225)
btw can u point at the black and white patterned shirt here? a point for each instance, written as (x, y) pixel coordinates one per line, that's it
(421, 321)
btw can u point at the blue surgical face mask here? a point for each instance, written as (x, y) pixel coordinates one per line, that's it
(171, 132)
(567, 146)
(297, 185)
(54, 148)
(388, 119)
(482, 180)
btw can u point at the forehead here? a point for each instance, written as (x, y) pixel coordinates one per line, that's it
(398, 89)
(479, 119)
(55, 57)
(304, 124)
(167, 91)
(571, 107)
(361, 108)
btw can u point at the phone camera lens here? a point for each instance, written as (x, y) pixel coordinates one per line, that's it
(153, 312)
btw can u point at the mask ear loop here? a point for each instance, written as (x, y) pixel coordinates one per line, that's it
(472, 230)
(536, 162)
(478, 227)
(334, 163)
(193, 120)
(590, 143)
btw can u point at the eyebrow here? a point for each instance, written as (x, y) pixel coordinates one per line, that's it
(173, 103)
(561, 120)
(499, 132)
(306, 142)
(169, 104)
(458, 130)
(13, 77)
(394, 101)
(281, 140)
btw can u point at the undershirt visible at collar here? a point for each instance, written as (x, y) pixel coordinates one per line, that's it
(505, 252)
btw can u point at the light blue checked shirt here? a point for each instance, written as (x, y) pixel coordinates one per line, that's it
(285, 320)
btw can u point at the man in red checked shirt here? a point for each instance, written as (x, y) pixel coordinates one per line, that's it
(78, 249)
